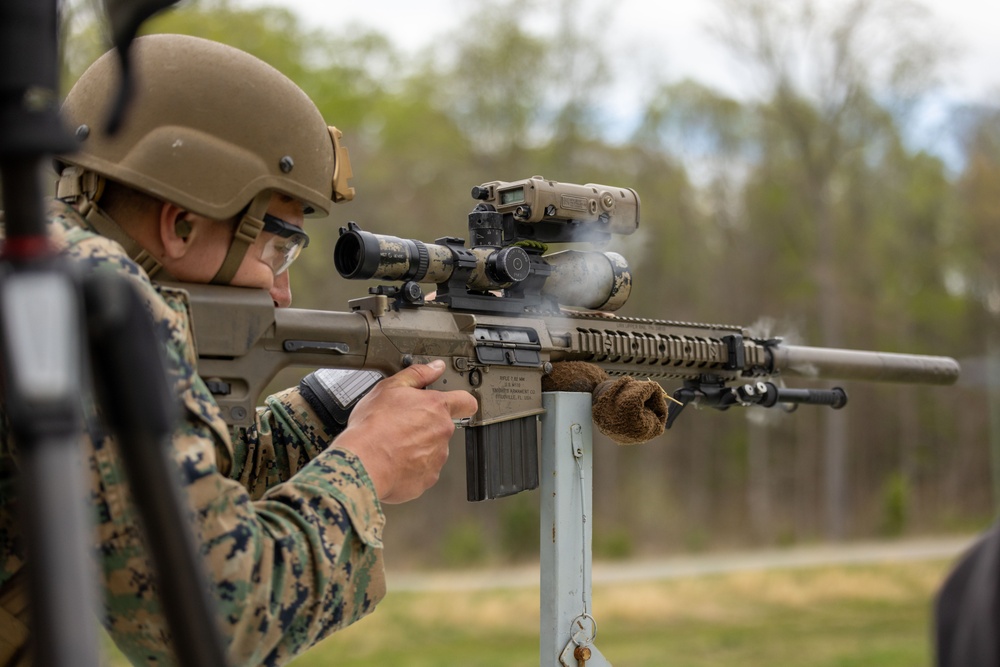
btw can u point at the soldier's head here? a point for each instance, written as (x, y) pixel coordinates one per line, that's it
(220, 159)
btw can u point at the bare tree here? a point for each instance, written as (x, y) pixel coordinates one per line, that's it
(818, 66)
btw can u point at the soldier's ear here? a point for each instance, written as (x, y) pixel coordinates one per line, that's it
(175, 231)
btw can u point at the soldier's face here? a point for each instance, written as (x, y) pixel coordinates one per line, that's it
(257, 269)
(209, 242)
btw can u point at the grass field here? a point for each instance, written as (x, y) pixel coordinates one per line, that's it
(872, 615)
(842, 616)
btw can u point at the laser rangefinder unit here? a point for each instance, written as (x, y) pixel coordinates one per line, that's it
(554, 212)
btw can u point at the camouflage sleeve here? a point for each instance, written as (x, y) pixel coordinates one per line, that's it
(295, 565)
(293, 544)
(287, 434)
(290, 562)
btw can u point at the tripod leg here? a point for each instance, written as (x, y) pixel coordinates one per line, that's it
(41, 323)
(140, 409)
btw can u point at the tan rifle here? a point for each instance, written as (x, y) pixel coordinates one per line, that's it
(500, 317)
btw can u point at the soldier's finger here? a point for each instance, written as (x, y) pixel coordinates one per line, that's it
(418, 375)
(461, 404)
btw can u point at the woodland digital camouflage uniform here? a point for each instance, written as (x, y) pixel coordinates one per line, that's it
(290, 528)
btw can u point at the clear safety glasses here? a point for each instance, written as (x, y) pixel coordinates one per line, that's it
(285, 244)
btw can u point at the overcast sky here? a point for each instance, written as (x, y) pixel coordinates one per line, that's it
(670, 33)
(670, 37)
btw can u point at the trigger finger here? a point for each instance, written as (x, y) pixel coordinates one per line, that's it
(461, 404)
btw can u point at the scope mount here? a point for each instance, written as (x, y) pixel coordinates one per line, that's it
(522, 267)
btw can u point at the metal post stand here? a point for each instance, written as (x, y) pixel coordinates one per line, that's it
(568, 628)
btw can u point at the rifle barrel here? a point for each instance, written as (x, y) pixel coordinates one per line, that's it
(843, 364)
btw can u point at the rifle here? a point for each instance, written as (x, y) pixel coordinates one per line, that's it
(500, 318)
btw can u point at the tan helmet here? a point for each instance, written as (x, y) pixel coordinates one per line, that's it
(210, 128)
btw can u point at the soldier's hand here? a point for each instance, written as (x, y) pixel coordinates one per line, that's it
(401, 431)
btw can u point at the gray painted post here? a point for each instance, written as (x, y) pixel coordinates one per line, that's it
(566, 497)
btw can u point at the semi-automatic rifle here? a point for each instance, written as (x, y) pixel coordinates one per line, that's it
(502, 312)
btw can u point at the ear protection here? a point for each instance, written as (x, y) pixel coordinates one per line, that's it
(183, 228)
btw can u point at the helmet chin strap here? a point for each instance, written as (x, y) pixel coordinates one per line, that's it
(84, 189)
(247, 232)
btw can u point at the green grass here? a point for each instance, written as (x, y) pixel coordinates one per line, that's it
(823, 617)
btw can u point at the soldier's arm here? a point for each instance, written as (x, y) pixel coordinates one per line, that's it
(287, 434)
(293, 566)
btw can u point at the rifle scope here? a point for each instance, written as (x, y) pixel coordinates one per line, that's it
(576, 278)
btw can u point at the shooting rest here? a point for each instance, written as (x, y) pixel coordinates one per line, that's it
(567, 628)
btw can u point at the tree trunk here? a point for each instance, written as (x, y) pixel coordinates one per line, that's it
(831, 335)
(759, 482)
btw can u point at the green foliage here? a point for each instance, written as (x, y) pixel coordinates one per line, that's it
(978, 210)
(263, 31)
(895, 505)
(696, 540)
(613, 544)
(695, 121)
(520, 89)
(464, 545)
(82, 39)
(519, 526)
(803, 204)
(494, 85)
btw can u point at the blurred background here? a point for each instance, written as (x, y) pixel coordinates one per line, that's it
(821, 171)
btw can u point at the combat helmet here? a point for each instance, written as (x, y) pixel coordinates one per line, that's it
(211, 129)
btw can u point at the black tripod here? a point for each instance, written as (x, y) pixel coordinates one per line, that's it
(52, 321)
